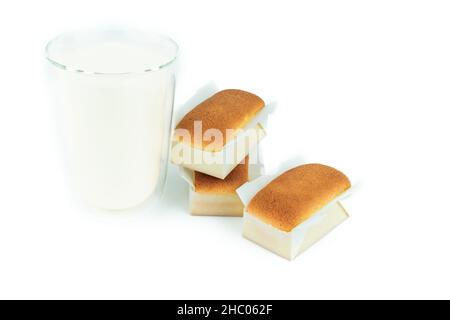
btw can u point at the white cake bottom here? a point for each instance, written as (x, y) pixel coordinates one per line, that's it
(202, 204)
(219, 163)
(290, 244)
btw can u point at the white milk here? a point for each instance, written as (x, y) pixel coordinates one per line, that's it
(115, 125)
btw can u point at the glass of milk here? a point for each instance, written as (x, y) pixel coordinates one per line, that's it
(114, 93)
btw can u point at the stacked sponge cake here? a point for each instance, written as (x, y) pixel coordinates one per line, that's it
(216, 144)
(214, 140)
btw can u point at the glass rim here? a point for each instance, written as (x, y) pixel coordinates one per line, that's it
(73, 69)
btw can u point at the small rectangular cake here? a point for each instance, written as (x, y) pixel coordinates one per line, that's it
(296, 209)
(211, 196)
(214, 196)
(215, 136)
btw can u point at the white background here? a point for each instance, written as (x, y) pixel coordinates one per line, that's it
(362, 85)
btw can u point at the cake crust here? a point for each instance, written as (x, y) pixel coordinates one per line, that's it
(204, 183)
(297, 194)
(227, 109)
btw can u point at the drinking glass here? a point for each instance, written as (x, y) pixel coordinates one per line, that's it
(114, 92)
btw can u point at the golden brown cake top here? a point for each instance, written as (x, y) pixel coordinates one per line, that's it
(297, 194)
(227, 109)
(204, 183)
